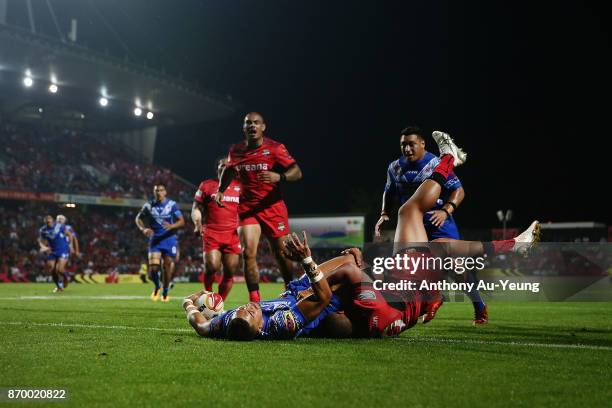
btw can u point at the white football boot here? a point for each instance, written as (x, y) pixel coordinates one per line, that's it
(525, 240)
(446, 145)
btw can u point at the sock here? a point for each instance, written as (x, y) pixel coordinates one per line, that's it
(208, 282)
(66, 278)
(443, 169)
(254, 296)
(155, 279)
(56, 280)
(225, 286)
(474, 294)
(165, 292)
(60, 284)
(498, 247)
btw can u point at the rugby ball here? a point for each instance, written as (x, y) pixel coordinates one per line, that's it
(210, 304)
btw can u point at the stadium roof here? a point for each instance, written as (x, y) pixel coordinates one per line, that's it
(84, 76)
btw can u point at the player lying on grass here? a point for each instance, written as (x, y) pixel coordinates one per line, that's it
(288, 316)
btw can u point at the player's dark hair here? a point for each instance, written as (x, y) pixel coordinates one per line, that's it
(240, 330)
(412, 130)
(159, 183)
(256, 113)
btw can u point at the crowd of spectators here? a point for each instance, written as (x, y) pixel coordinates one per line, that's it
(108, 239)
(67, 161)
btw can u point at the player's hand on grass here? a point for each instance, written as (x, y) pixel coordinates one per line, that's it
(148, 232)
(356, 252)
(218, 197)
(295, 249)
(437, 217)
(268, 177)
(383, 218)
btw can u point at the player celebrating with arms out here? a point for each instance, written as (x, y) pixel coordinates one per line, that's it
(164, 219)
(260, 164)
(218, 227)
(54, 239)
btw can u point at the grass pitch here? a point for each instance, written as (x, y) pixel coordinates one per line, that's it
(109, 345)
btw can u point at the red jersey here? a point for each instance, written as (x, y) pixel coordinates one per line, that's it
(270, 156)
(219, 218)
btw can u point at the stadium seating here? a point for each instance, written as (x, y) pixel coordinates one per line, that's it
(63, 161)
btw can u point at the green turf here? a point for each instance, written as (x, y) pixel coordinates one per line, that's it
(106, 354)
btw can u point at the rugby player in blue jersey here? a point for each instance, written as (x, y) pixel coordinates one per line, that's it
(290, 315)
(163, 218)
(403, 178)
(74, 242)
(54, 240)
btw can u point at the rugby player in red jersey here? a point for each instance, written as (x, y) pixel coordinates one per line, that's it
(218, 227)
(261, 164)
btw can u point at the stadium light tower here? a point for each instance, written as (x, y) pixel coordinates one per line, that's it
(504, 217)
(28, 81)
(150, 115)
(137, 111)
(53, 88)
(103, 101)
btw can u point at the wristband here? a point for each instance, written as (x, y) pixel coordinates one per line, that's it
(187, 301)
(316, 278)
(447, 213)
(192, 312)
(307, 260)
(452, 205)
(283, 177)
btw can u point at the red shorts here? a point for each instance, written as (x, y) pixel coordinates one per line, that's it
(274, 220)
(370, 313)
(227, 242)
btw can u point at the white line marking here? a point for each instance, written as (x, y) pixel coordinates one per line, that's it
(69, 297)
(503, 343)
(409, 339)
(93, 326)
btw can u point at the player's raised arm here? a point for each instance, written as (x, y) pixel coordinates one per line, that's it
(299, 251)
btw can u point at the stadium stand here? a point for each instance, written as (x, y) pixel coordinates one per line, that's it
(68, 161)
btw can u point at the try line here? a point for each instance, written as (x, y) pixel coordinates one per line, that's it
(409, 339)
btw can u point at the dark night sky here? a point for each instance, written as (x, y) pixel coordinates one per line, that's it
(522, 86)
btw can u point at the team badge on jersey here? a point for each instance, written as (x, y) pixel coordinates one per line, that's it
(281, 226)
(289, 322)
(266, 152)
(236, 189)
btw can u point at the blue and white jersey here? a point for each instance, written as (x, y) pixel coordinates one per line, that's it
(70, 230)
(404, 177)
(55, 235)
(159, 212)
(282, 320)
